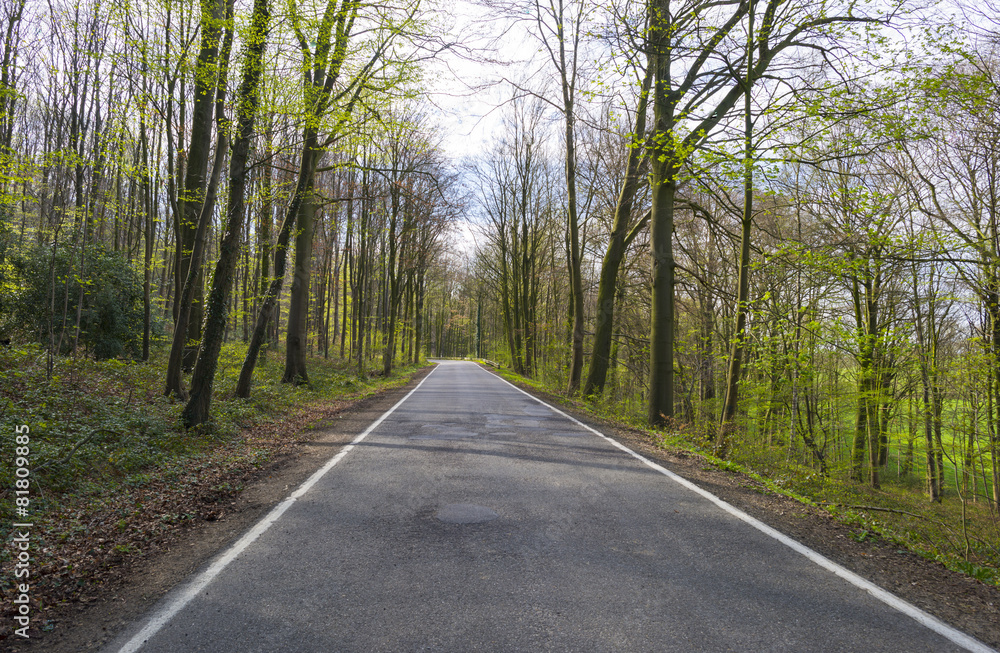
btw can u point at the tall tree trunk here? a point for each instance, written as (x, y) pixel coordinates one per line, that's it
(991, 302)
(731, 400)
(992, 424)
(268, 301)
(191, 202)
(872, 423)
(348, 264)
(927, 376)
(419, 315)
(295, 342)
(576, 263)
(192, 199)
(661, 332)
(147, 267)
(265, 222)
(192, 284)
(335, 293)
(608, 286)
(665, 164)
(197, 409)
(393, 281)
(866, 325)
(8, 74)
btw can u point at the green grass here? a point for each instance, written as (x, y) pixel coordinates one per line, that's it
(961, 533)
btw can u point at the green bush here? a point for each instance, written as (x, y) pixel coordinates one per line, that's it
(111, 311)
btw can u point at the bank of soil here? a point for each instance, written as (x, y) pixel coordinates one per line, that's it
(128, 590)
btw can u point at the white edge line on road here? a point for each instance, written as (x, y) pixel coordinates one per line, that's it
(177, 603)
(910, 610)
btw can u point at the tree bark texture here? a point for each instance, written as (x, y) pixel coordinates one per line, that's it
(197, 409)
(192, 219)
(617, 244)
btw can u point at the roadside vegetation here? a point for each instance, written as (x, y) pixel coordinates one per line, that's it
(113, 469)
(961, 531)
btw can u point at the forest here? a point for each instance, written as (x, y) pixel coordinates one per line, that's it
(768, 230)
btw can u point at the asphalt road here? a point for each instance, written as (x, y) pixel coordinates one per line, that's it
(474, 518)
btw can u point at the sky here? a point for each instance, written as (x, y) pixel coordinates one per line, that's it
(466, 89)
(466, 83)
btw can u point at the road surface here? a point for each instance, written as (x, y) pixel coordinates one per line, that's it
(475, 518)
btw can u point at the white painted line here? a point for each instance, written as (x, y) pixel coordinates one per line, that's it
(893, 601)
(195, 587)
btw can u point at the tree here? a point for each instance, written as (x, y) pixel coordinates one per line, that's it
(688, 106)
(952, 177)
(196, 203)
(247, 102)
(517, 209)
(622, 234)
(561, 29)
(417, 205)
(11, 25)
(323, 92)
